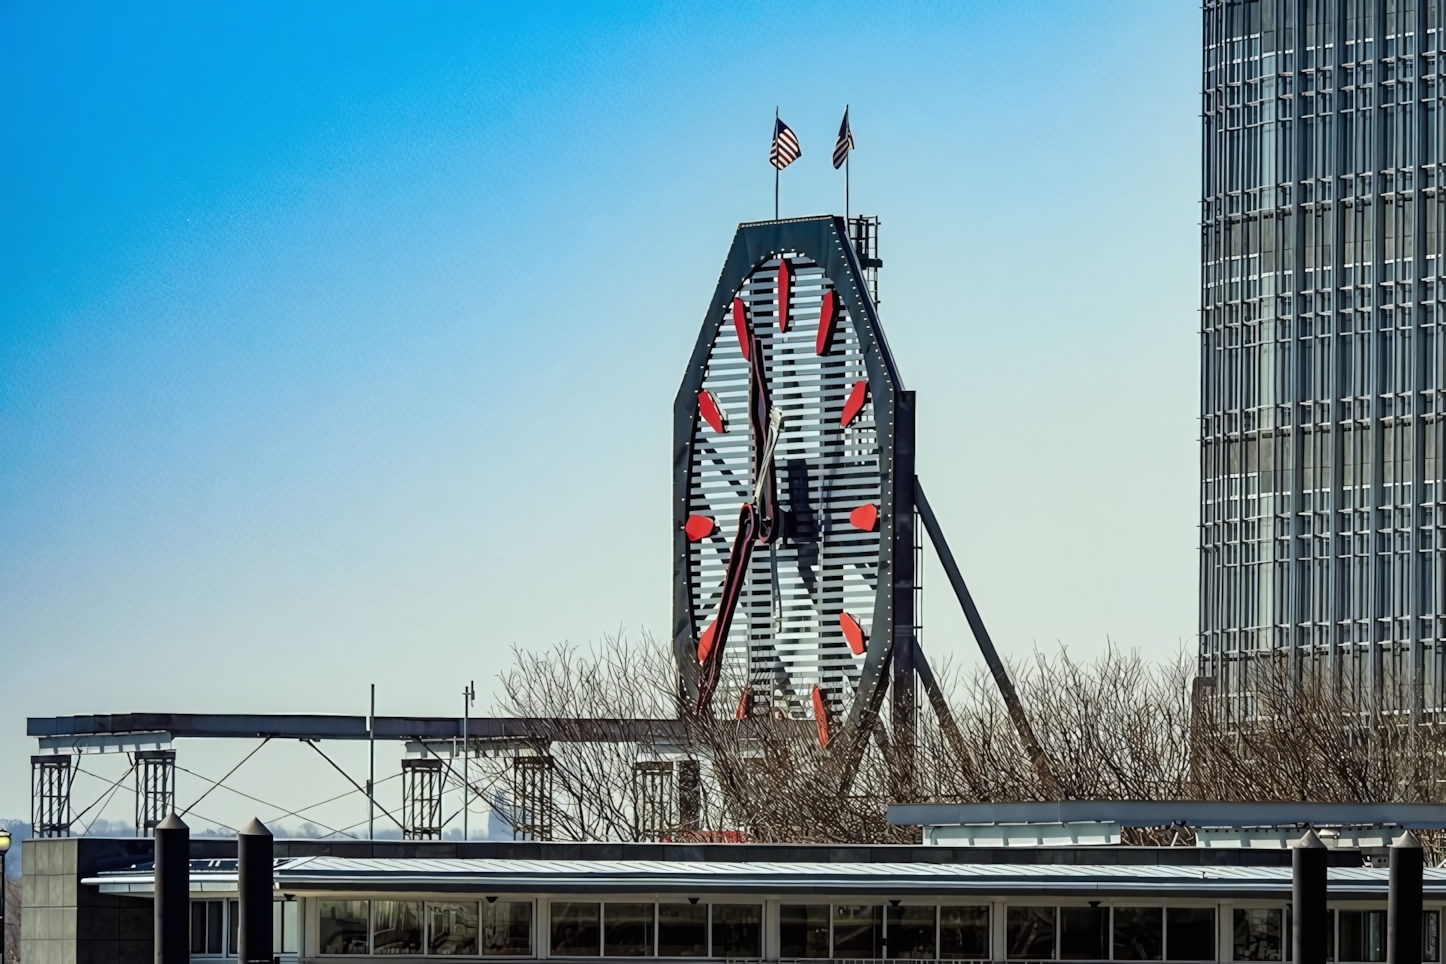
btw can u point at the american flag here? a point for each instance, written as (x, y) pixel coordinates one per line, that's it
(845, 142)
(785, 149)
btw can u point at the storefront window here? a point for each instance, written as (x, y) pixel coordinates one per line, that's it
(576, 930)
(1259, 934)
(803, 930)
(343, 927)
(396, 927)
(683, 930)
(284, 931)
(857, 931)
(1139, 933)
(207, 926)
(1029, 932)
(1431, 936)
(507, 927)
(452, 928)
(1084, 933)
(963, 932)
(1362, 935)
(628, 930)
(1190, 934)
(911, 932)
(737, 930)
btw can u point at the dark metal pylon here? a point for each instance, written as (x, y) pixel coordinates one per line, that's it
(916, 663)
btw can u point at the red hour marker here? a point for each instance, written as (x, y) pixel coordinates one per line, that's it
(700, 527)
(826, 318)
(853, 632)
(740, 324)
(820, 716)
(865, 517)
(855, 403)
(712, 413)
(705, 642)
(783, 277)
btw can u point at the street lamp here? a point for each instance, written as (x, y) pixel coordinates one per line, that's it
(4, 889)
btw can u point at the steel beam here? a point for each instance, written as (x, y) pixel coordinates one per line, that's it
(986, 645)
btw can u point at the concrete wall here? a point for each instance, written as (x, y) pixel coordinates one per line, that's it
(64, 922)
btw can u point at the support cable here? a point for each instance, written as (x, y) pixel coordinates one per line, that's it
(107, 794)
(370, 796)
(1036, 752)
(264, 803)
(225, 778)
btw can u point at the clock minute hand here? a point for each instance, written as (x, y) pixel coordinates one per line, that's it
(775, 426)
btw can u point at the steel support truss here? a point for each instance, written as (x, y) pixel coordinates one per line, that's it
(422, 784)
(155, 788)
(50, 779)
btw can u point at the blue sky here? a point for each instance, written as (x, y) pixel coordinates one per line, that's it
(338, 342)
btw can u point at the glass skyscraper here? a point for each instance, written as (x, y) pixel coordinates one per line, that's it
(1321, 371)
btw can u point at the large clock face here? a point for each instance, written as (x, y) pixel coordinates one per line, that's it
(807, 598)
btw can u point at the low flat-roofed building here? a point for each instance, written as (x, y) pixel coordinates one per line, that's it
(352, 899)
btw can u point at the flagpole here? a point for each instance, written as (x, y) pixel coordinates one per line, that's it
(776, 169)
(847, 157)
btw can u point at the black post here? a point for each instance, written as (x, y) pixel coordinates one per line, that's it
(4, 896)
(1403, 913)
(1308, 893)
(173, 892)
(253, 850)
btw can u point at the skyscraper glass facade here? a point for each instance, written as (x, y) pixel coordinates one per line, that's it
(1321, 371)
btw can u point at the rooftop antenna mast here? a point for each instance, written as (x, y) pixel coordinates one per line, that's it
(469, 696)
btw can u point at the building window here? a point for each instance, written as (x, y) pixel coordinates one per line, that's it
(397, 927)
(911, 932)
(803, 930)
(284, 930)
(1139, 933)
(452, 928)
(208, 926)
(683, 930)
(1362, 935)
(1084, 933)
(1190, 934)
(963, 932)
(1258, 934)
(576, 930)
(857, 931)
(738, 930)
(628, 930)
(344, 927)
(507, 928)
(1030, 933)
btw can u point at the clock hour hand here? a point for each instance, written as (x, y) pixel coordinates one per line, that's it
(715, 637)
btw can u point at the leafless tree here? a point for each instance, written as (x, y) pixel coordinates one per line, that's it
(1118, 727)
(11, 951)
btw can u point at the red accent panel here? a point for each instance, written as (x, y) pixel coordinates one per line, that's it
(865, 517)
(740, 324)
(741, 712)
(820, 716)
(826, 318)
(855, 403)
(700, 527)
(853, 632)
(712, 414)
(784, 274)
(705, 642)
